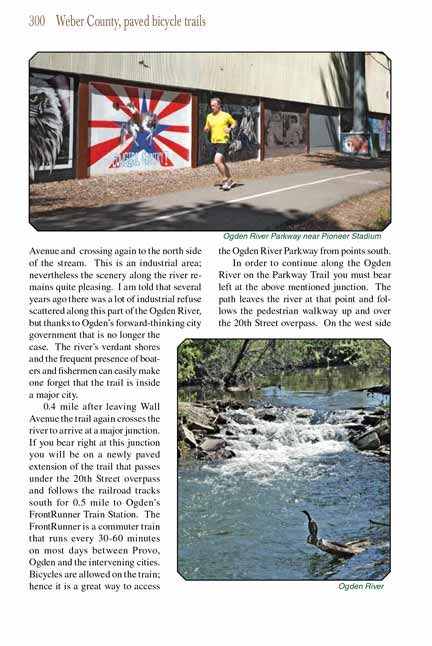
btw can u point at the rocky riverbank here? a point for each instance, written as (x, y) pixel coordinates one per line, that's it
(372, 432)
(209, 430)
(200, 428)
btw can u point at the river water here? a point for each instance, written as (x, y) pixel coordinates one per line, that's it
(242, 518)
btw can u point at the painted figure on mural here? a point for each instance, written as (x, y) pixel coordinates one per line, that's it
(245, 135)
(139, 122)
(50, 105)
(283, 129)
(219, 125)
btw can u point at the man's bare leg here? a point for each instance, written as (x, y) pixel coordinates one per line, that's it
(222, 167)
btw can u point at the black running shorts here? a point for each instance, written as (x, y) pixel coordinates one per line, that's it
(222, 149)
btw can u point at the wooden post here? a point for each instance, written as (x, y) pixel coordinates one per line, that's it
(308, 111)
(262, 131)
(194, 131)
(83, 130)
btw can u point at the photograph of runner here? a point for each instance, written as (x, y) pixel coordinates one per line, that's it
(219, 125)
(147, 152)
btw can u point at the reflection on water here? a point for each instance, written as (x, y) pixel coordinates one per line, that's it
(242, 518)
(322, 380)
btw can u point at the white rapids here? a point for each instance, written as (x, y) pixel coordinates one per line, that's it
(266, 448)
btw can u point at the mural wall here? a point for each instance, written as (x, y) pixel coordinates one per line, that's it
(355, 144)
(245, 141)
(379, 127)
(388, 134)
(284, 129)
(137, 129)
(51, 125)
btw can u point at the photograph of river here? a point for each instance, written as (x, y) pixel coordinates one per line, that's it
(271, 429)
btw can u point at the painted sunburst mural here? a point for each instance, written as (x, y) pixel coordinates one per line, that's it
(137, 129)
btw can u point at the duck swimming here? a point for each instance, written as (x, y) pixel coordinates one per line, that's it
(341, 550)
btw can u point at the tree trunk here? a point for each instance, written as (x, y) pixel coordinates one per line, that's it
(359, 94)
(230, 376)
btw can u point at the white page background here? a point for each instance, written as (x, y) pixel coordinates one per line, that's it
(230, 612)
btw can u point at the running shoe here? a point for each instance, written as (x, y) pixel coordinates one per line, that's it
(228, 184)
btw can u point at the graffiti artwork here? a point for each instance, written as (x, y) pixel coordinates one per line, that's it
(285, 132)
(354, 144)
(245, 137)
(51, 119)
(388, 135)
(137, 129)
(378, 127)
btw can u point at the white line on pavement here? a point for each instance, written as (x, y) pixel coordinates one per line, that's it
(238, 199)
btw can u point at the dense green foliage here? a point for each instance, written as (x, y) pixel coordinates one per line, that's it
(187, 357)
(214, 359)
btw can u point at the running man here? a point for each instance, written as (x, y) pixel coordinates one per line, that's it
(220, 124)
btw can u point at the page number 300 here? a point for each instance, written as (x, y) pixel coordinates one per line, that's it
(36, 21)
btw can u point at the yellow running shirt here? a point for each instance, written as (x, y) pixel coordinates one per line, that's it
(217, 123)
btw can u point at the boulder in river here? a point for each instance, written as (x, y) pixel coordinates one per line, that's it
(197, 426)
(242, 418)
(222, 453)
(355, 428)
(212, 444)
(223, 404)
(372, 419)
(380, 411)
(187, 435)
(383, 432)
(196, 415)
(368, 441)
(221, 420)
(304, 413)
(269, 415)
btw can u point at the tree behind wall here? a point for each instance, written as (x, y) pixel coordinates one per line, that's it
(359, 94)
